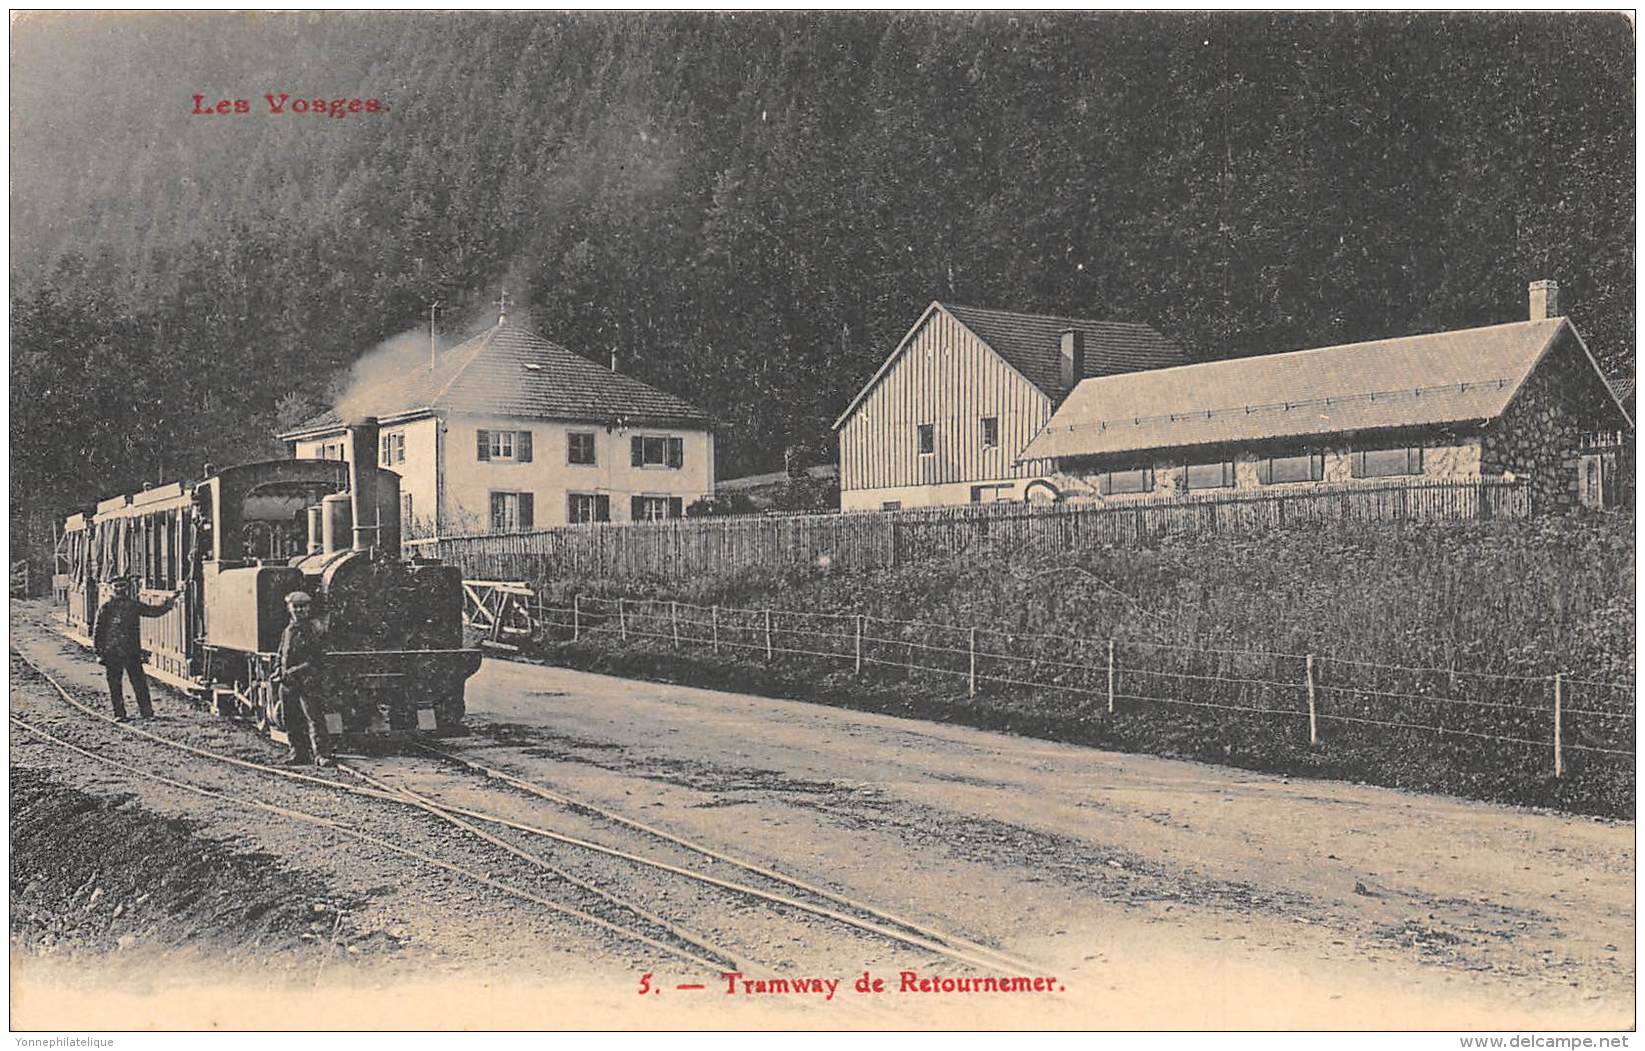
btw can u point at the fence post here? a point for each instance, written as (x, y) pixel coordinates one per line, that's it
(767, 634)
(1110, 676)
(973, 679)
(1313, 719)
(622, 618)
(714, 626)
(859, 643)
(674, 622)
(1559, 756)
(576, 617)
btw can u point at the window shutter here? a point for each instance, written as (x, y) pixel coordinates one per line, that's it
(482, 447)
(386, 455)
(1265, 471)
(602, 508)
(1105, 483)
(497, 512)
(676, 454)
(637, 451)
(1413, 460)
(522, 447)
(527, 511)
(636, 505)
(676, 507)
(571, 508)
(1356, 462)
(1316, 468)
(1147, 479)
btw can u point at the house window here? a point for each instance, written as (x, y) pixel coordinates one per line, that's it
(1303, 467)
(991, 494)
(405, 514)
(512, 512)
(1386, 463)
(505, 446)
(1217, 474)
(330, 451)
(579, 447)
(928, 438)
(1113, 483)
(990, 432)
(393, 449)
(656, 450)
(655, 508)
(588, 507)
(891, 505)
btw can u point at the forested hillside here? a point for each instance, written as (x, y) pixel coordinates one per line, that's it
(751, 209)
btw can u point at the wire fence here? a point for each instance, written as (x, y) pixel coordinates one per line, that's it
(1300, 697)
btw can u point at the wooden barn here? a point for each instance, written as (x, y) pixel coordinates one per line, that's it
(946, 417)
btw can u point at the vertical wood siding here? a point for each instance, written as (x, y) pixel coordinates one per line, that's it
(948, 378)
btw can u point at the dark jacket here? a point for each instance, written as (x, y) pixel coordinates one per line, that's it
(302, 655)
(115, 634)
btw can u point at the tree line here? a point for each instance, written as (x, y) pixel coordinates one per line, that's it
(750, 209)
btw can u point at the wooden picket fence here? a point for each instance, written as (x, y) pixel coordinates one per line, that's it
(692, 548)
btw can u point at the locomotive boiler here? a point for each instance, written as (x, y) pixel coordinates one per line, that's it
(242, 540)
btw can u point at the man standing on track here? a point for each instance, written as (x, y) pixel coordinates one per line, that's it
(117, 639)
(302, 664)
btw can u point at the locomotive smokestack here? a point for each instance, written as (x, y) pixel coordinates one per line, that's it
(362, 440)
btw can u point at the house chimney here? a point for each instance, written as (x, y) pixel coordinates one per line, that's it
(1544, 300)
(1071, 361)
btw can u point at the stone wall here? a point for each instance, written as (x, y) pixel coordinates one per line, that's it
(1539, 437)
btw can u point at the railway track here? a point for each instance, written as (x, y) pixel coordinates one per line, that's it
(783, 894)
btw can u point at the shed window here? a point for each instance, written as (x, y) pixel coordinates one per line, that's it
(1303, 467)
(1217, 474)
(990, 432)
(1139, 480)
(1386, 463)
(992, 494)
(928, 438)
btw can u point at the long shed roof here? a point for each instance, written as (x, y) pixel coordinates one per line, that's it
(508, 371)
(1469, 375)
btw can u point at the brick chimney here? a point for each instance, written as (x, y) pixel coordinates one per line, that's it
(1544, 300)
(1071, 360)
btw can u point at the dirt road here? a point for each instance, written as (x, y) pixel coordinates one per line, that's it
(1158, 893)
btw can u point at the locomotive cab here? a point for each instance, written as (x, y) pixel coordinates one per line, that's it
(393, 630)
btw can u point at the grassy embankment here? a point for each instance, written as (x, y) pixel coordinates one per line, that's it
(1474, 600)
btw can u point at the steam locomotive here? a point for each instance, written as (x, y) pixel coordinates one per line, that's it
(243, 539)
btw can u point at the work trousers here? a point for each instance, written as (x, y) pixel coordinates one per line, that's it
(305, 724)
(118, 668)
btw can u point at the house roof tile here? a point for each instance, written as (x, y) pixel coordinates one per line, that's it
(507, 371)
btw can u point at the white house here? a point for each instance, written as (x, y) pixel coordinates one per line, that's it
(948, 414)
(509, 431)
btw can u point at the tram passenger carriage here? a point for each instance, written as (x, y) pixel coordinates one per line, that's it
(243, 539)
